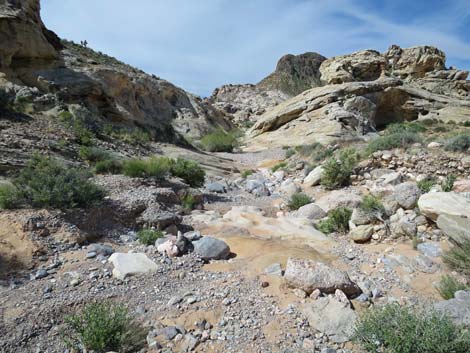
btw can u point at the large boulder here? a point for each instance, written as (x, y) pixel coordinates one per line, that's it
(209, 248)
(131, 264)
(314, 177)
(407, 194)
(456, 228)
(332, 317)
(311, 211)
(435, 204)
(361, 234)
(309, 275)
(339, 198)
(366, 65)
(457, 308)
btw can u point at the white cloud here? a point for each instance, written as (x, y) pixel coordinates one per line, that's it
(202, 44)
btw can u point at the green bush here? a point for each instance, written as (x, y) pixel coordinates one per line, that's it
(337, 171)
(414, 127)
(246, 173)
(290, 152)
(395, 140)
(466, 123)
(426, 185)
(9, 196)
(219, 141)
(337, 221)
(278, 166)
(149, 236)
(458, 257)
(103, 327)
(108, 166)
(298, 200)
(448, 285)
(45, 182)
(396, 329)
(188, 202)
(459, 143)
(83, 135)
(190, 171)
(154, 167)
(448, 183)
(372, 205)
(316, 151)
(93, 154)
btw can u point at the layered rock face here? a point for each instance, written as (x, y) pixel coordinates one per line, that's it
(365, 91)
(293, 75)
(34, 59)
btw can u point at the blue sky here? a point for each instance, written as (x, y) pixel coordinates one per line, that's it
(202, 44)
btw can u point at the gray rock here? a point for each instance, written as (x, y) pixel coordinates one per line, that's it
(456, 228)
(41, 273)
(435, 204)
(430, 249)
(131, 264)
(457, 308)
(407, 194)
(168, 332)
(216, 187)
(311, 211)
(359, 217)
(288, 187)
(309, 275)
(332, 317)
(211, 248)
(193, 235)
(101, 249)
(189, 343)
(314, 177)
(274, 270)
(361, 234)
(257, 187)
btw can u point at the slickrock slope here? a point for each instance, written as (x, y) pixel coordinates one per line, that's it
(365, 91)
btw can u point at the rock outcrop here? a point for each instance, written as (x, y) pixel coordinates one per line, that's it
(365, 91)
(293, 75)
(34, 59)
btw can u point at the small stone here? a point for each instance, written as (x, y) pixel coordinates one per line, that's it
(264, 284)
(91, 254)
(315, 294)
(41, 273)
(274, 270)
(300, 293)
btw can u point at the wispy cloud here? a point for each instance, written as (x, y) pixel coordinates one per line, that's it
(200, 45)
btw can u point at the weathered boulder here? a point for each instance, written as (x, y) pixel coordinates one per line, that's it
(314, 177)
(332, 317)
(457, 308)
(309, 275)
(366, 65)
(361, 234)
(435, 204)
(455, 227)
(131, 264)
(311, 211)
(337, 198)
(209, 248)
(407, 194)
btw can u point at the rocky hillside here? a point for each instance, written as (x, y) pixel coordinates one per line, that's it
(363, 92)
(48, 73)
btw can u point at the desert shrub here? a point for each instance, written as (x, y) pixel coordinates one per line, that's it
(430, 122)
(466, 123)
(83, 135)
(290, 152)
(448, 183)
(316, 151)
(65, 116)
(45, 182)
(93, 154)
(190, 171)
(415, 127)
(154, 167)
(298, 200)
(452, 122)
(415, 241)
(108, 166)
(133, 136)
(219, 141)
(448, 285)
(21, 104)
(9, 196)
(337, 221)
(458, 143)
(426, 184)
(395, 140)
(149, 236)
(337, 171)
(399, 329)
(279, 166)
(458, 257)
(188, 202)
(372, 205)
(246, 173)
(103, 327)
